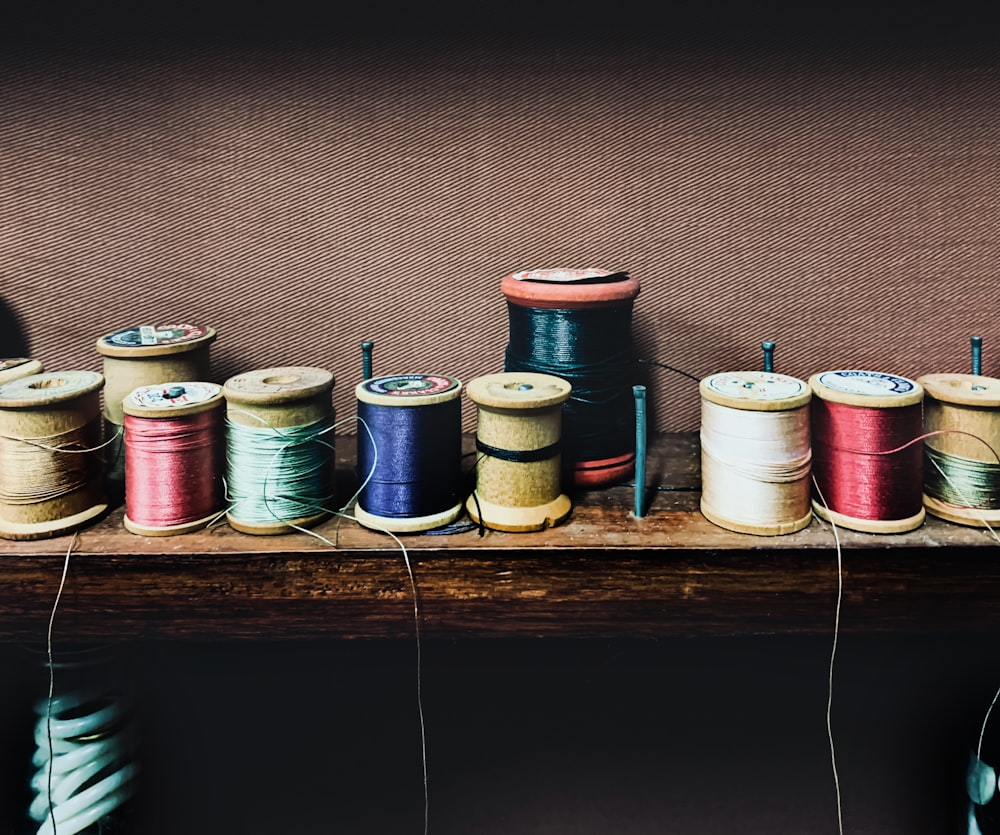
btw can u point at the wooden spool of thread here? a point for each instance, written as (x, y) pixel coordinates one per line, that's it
(16, 367)
(175, 455)
(51, 464)
(577, 325)
(518, 436)
(280, 415)
(756, 452)
(961, 470)
(858, 418)
(412, 475)
(147, 355)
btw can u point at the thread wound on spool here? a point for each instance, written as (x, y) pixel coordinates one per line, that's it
(576, 325)
(280, 449)
(520, 413)
(962, 450)
(756, 452)
(867, 450)
(51, 464)
(174, 457)
(409, 452)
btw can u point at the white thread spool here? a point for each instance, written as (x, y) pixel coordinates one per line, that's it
(52, 409)
(171, 401)
(147, 355)
(520, 415)
(14, 368)
(278, 399)
(755, 452)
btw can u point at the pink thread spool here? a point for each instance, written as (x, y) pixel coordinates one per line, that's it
(174, 457)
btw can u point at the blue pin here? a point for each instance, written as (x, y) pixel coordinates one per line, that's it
(640, 449)
(366, 359)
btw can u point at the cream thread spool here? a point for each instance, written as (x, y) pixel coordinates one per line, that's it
(882, 397)
(281, 398)
(410, 469)
(14, 368)
(519, 426)
(756, 452)
(148, 355)
(38, 414)
(960, 406)
(169, 401)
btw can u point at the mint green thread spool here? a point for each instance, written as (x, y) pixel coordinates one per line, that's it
(281, 463)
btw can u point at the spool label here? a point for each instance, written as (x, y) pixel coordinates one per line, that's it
(155, 335)
(410, 385)
(171, 395)
(7, 364)
(867, 382)
(567, 276)
(762, 385)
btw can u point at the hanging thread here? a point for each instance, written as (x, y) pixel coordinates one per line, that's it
(280, 459)
(867, 450)
(518, 435)
(174, 457)
(961, 467)
(51, 464)
(577, 325)
(756, 452)
(410, 457)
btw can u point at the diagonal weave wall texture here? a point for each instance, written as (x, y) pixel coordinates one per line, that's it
(833, 193)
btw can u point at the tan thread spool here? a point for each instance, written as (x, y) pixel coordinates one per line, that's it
(518, 412)
(14, 368)
(961, 403)
(44, 407)
(280, 397)
(756, 452)
(153, 403)
(147, 355)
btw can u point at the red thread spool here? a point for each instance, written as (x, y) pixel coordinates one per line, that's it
(174, 457)
(867, 450)
(581, 290)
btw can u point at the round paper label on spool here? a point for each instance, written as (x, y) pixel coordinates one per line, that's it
(408, 389)
(866, 388)
(14, 367)
(154, 340)
(762, 391)
(49, 387)
(172, 399)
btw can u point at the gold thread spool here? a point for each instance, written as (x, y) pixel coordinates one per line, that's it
(756, 503)
(147, 355)
(867, 390)
(518, 412)
(13, 368)
(42, 407)
(153, 403)
(280, 397)
(962, 403)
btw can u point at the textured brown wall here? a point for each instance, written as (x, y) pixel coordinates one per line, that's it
(834, 190)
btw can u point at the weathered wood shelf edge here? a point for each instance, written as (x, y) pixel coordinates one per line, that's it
(601, 573)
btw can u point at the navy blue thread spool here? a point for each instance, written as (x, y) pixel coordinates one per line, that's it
(577, 325)
(411, 476)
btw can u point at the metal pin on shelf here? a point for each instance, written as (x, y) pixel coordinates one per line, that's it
(640, 450)
(366, 359)
(976, 342)
(768, 347)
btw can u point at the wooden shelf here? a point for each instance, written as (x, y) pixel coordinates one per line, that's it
(602, 573)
